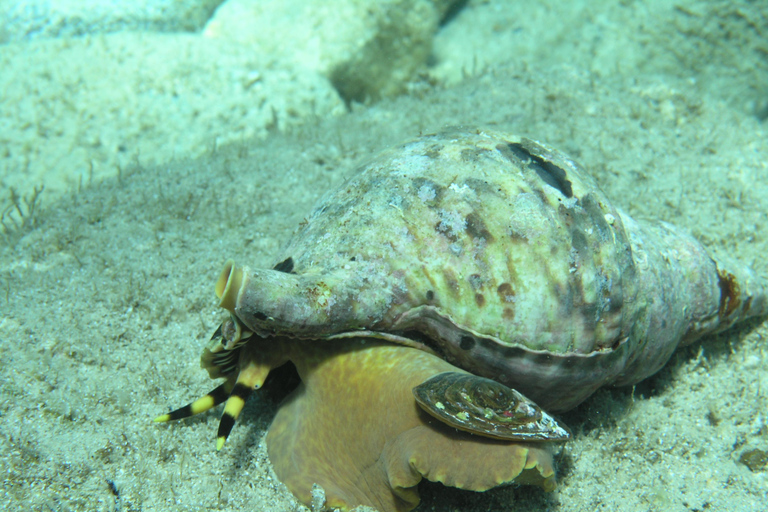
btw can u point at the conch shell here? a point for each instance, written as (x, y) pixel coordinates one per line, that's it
(497, 257)
(502, 254)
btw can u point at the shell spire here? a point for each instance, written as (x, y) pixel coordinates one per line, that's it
(684, 293)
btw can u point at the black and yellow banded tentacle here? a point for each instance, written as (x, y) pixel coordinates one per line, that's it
(250, 378)
(235, 404)
(202, 404)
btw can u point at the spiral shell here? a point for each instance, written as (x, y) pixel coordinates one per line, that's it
(487, 408)
(503, 255)
(499, 254)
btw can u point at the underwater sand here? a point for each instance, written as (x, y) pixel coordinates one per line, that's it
(107, 298)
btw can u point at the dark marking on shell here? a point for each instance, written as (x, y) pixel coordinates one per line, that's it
(345, 303)
(578, 238)
(505, 292)
(480, 300)
(433, 151)
(550, 173)
(432, 282)
(451, 281)
(596, 213)
(517, 236)
(483, 188)
(729, 293)
(285, 266)
(512, 270)
(473, 154)
(467, 343)
(476, 228)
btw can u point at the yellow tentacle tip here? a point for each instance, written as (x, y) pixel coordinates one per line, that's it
(162, 419)
(220, 443)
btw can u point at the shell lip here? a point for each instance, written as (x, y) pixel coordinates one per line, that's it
(386, 336)
(411, 319)
(229, 285)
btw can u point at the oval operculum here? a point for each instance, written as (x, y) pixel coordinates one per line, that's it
(485, 407)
